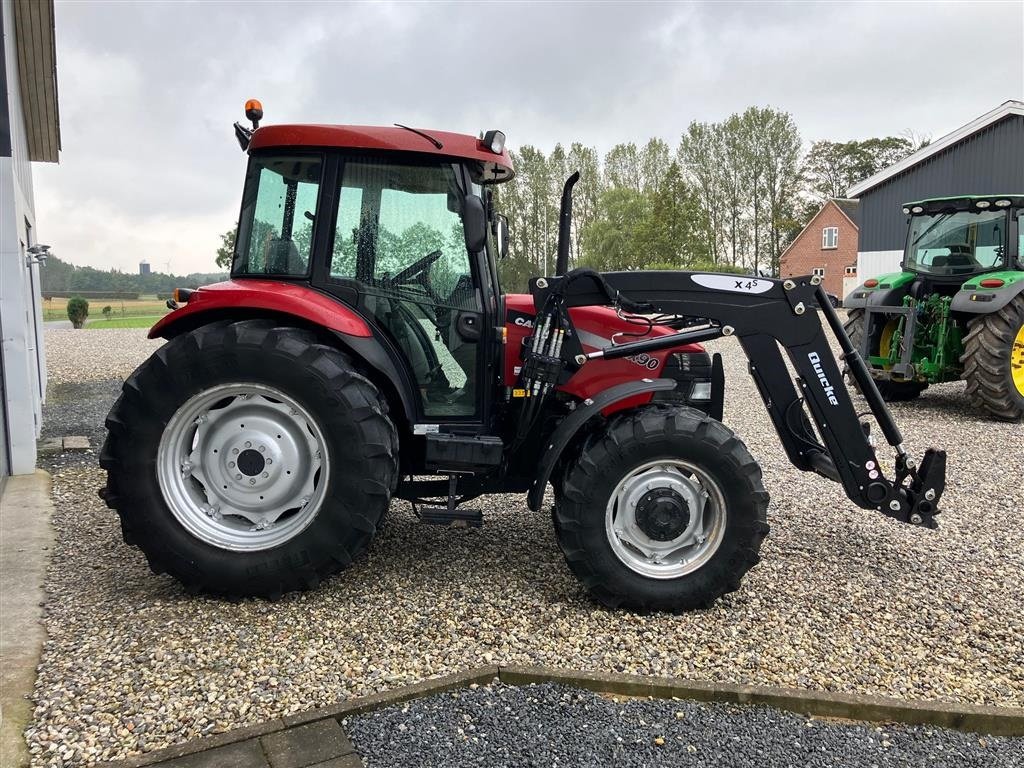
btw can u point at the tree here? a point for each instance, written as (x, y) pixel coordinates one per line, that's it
(699, 156)
(226, 251)
(78, 311)
(610, 241)
(673, 226)
(831, 168)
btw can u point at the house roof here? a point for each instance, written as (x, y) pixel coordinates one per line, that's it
(850, 208)
(37, 76)
(847, 207)
(1004, 110)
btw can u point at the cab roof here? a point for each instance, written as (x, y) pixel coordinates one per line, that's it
(496, 168)
(965, 202)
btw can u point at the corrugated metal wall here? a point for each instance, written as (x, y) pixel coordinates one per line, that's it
(989, 162)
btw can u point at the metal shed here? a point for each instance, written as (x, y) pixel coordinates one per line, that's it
(986, 156)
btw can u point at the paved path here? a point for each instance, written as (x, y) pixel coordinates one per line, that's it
(25, 542)
(59, 325)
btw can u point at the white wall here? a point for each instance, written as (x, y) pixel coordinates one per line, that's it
(20, 303)
(874, 263)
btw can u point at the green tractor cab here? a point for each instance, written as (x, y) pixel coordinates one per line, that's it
(956, 310)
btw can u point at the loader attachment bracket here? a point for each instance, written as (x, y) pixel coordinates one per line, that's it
(813, 413)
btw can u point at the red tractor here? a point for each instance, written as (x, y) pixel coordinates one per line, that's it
(363, 351)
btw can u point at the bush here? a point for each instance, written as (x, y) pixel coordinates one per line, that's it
(78, 311)
(106, 311)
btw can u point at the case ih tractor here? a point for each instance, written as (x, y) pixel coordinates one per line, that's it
(363, 351)
(957, 308)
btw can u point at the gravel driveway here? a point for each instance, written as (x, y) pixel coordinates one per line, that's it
(844, 599)
(504, 726)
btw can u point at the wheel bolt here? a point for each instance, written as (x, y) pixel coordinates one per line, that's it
(231, 464)
(270, 461)
(248, 444)
(234, 451)
(238, 477)
(252, 481)
(263, 449)
(266, 474)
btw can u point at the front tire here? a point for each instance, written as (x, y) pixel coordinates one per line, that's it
(663, 511)
(993, 361)
(248, 460)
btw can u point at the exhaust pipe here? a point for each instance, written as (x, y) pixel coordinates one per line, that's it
(565, 225)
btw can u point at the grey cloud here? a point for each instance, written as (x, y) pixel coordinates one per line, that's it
(149, 90)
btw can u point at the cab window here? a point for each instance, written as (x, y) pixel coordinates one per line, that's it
(275, 228)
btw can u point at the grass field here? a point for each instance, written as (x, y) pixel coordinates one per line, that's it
(145, 306)
(141, 321)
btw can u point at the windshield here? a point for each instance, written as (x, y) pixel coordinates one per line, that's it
(959, 243)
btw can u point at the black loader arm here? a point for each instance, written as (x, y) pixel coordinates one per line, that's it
(765, 315)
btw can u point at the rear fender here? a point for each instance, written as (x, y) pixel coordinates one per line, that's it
(975, 300)
(574, 422)
(889, 292)
(289, 303)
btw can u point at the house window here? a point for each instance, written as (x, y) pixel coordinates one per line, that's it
(851, 271)
(818, 271)
(829, 238)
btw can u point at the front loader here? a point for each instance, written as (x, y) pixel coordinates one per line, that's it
(363, 351)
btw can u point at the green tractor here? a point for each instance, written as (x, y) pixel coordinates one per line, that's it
(956, 310)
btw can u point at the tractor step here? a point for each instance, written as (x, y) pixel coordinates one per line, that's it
(462, 518)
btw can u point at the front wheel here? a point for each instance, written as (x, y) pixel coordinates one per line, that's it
(663, 511)
(246, 459)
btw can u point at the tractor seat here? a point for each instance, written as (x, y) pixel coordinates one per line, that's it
(283, 258)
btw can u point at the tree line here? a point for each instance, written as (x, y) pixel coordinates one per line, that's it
(57, 276)
(730, 196)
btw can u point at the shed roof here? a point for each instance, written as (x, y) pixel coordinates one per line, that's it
(1004, 110)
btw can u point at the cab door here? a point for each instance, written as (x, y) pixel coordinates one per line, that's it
(399, 250)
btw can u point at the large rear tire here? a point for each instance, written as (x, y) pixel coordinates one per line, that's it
(891, 391)
(664, 510)
(248, 460)
(993, 361)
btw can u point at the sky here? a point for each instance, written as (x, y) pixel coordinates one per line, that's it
(150, 168)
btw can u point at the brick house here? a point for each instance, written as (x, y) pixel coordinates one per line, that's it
(827, 246)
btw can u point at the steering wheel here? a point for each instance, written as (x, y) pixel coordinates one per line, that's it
(416, 268)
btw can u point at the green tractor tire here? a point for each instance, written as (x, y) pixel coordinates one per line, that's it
(891, 391)
(993, 361)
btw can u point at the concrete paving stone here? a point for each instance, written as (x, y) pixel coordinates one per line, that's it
(50, 445)
(76, 443)
(244, 754)
(306, 745)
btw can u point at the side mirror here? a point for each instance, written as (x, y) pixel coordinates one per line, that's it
(474, 223)
(501, 234)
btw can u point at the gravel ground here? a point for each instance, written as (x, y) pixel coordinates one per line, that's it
(499, 725)
(844, 599)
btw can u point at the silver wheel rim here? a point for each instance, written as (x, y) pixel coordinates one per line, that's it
(693, 546)
(243, 467)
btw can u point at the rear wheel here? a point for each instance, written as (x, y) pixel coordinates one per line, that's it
(891, 391)
(993, 361)
(663, 511)
(246, 459)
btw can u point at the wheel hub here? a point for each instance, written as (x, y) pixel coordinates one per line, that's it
(662, 514)
(251, 462)
(665, 519)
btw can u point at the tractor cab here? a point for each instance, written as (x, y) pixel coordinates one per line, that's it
(951, 239)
